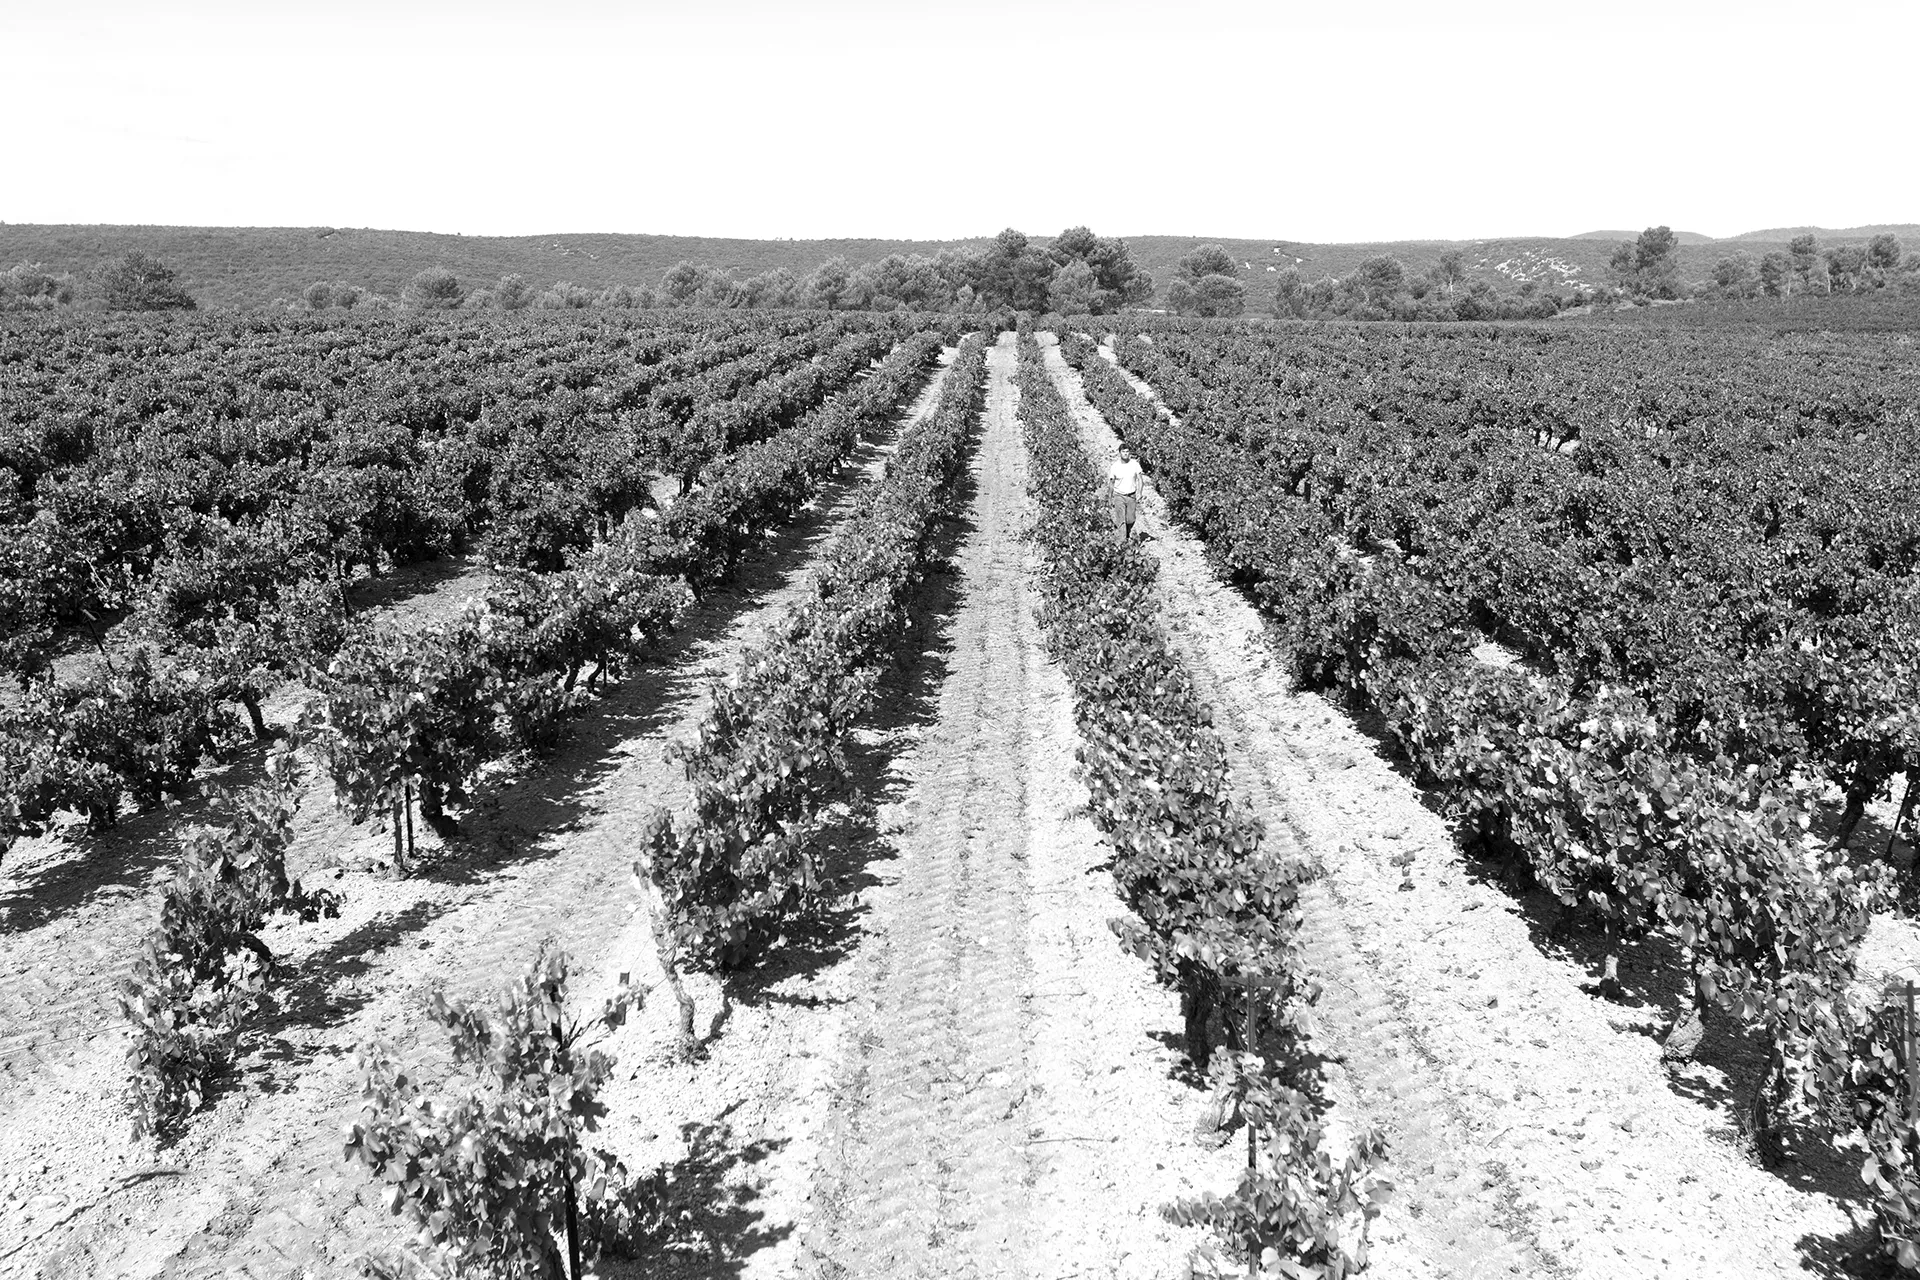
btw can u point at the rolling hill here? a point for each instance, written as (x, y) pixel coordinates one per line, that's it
(1614, 237)
(1908, 232)
(255, 266)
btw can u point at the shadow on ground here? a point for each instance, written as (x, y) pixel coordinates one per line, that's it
(719, 1226)
(127, 856)
(327, 990)
(1854, 1255)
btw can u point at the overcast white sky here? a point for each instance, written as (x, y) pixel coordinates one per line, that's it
(1383, 119)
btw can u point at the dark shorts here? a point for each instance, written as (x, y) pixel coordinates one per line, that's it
(1126, 508)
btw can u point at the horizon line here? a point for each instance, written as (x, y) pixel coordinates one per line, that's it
(1597, 233)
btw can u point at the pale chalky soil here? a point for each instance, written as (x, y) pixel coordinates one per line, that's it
(1533, 1125)
(1002, 1108)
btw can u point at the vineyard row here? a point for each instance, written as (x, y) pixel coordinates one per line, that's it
(141, 471)
(1590, 791)
(223, 626)
(1215, 909)
(411, 717)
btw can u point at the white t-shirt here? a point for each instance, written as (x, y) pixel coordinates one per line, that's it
(1125, 475)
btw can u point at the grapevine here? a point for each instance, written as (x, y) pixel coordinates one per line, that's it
(768, 758)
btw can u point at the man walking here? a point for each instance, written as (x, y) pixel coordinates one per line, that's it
(1125, 476)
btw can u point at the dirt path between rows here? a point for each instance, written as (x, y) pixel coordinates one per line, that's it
(256, 1185)
(1534, 1129)
(1002, 1106)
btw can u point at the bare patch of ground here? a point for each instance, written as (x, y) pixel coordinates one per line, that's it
(1005, 1101)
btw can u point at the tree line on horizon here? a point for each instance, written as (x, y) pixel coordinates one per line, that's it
(131, 282)
(1077, 273)
(1640, 271)
(1805, 268)
(1646, 269)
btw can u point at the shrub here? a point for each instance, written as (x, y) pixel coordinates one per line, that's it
(491, 1170)
(204, 969)
(513, 293)
(136, 282)
(435, 289)
(1304, 1206)
(31, 287)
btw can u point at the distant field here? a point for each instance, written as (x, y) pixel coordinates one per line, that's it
(1884, 311)
(254, 266)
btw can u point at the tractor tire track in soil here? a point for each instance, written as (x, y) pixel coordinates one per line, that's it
(256, 1185)
(930, 1171)
(1533, 1127)
(1002, 1105)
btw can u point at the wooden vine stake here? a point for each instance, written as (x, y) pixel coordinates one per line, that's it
(1252, 983)
(1913, 1066)
(1253, 1140)
(1900, 818)
(399, 846)
(403, 831)
(573, 1141)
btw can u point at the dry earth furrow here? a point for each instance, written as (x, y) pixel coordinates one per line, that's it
(257, 1184)
(1580, 1141)
(1114, 1106)
(1009, 1101)
(927, 1169)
